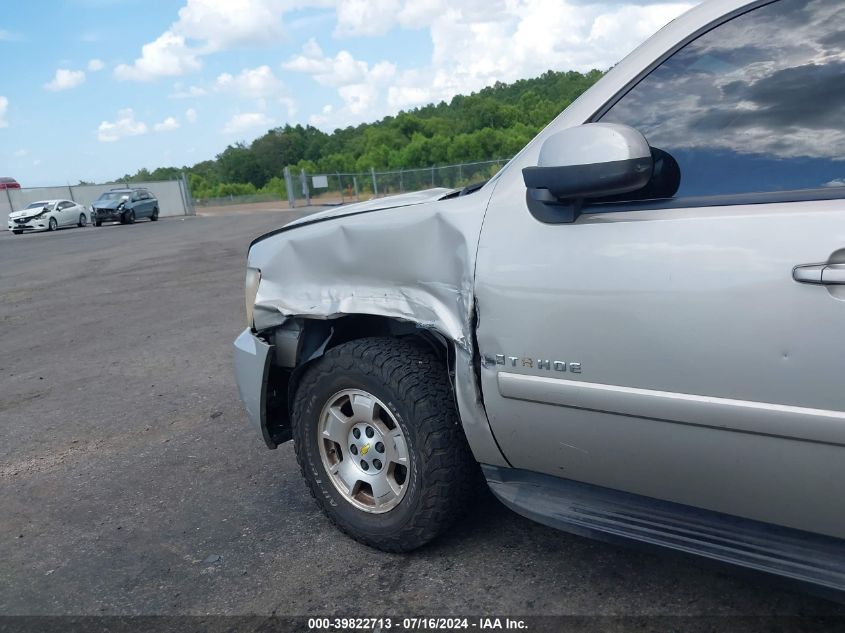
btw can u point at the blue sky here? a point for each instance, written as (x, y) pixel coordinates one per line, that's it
(93, 89)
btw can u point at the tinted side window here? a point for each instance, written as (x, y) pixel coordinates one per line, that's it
(754, 105)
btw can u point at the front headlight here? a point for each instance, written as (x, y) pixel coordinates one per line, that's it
(253, 277)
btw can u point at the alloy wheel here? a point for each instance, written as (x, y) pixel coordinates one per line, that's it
(364, 451)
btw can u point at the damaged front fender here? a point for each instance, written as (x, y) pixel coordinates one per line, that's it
(412, 264)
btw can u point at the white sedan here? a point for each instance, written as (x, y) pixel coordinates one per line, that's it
(48, 215)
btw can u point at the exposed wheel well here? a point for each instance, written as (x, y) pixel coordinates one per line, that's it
(313, 337)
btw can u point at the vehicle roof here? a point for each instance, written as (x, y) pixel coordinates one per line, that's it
(6, 180)
(54, 200)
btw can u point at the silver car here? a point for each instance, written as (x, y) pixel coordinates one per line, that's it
(630, 332)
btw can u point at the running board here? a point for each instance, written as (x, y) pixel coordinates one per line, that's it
(612, 515)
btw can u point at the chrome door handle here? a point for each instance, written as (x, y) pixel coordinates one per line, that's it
(822, 274)
(834, 274)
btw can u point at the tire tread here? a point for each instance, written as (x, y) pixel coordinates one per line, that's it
(449, 473)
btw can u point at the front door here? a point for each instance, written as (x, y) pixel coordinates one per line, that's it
(671, 348)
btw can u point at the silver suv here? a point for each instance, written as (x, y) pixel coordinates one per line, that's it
(630, 332)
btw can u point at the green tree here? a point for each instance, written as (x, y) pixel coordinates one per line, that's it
(495, 122)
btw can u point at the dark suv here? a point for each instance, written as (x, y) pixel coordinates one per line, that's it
(124, 206)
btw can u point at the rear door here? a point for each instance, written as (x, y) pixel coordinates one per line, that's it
(149, 203)
(670, 347)
(141, 206)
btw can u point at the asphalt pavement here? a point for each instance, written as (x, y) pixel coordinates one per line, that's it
(131, 483)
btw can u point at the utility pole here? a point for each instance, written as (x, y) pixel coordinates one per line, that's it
(375, 184)
(289, 187)
(305, 191)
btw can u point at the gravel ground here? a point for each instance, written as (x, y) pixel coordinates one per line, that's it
(130, 482)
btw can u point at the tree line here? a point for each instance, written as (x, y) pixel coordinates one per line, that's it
(492, 123)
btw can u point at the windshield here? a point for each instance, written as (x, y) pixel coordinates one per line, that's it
(114, 195)
(37, 205)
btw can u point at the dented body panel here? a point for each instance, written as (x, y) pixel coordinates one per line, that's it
(413, 263)
(252, 368)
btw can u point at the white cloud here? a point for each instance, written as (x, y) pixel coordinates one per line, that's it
(208, 26)
(420, 13)
(65, 80)
(290, 106)
(96, 65)
(21, 153)
(366, 17)
(221, 24)
(408, 95)
(191, 92)
(125, 125)
(167, 56)
(251, 83)
(541, 34)
(191, 115)
(4, 106)
(358, 84)
(246, 122)
(169, 124)
(340, 70)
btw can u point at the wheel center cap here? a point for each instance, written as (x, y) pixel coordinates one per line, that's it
(366, 448)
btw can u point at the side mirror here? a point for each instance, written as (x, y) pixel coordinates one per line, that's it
(594, 160)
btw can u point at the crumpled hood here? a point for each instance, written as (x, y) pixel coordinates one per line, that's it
(107, 204)
(413, 265)
(388, 202)
(25, 213)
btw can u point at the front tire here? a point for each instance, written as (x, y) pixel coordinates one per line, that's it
(380, 444)
(154, 216)
(82, 220)
(98, 223)
(52, 224)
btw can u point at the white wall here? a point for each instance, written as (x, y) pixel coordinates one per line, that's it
(170, 194)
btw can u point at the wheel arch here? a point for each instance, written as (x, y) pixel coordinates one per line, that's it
(299, 342)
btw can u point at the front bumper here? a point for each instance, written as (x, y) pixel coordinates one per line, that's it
(30, 224)
(252, 370)
(107, 215)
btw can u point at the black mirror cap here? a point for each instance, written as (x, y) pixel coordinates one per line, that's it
(596, 180)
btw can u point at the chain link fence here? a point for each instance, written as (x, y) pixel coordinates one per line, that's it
(174, 196)
(342, 188)
(301, 188)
